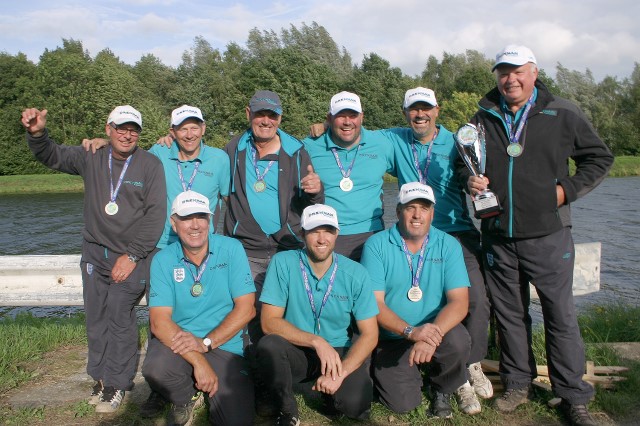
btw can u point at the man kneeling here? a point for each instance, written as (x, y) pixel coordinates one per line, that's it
(421, 285)
(201, 298)
(310, 297)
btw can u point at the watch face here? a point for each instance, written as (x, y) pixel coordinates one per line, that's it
(207, 341)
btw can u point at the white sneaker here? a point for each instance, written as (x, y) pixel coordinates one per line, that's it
(481, 384)
(467, 400)
(110, 400)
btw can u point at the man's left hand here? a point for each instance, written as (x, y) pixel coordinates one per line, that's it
(122, 269)
(311, 182)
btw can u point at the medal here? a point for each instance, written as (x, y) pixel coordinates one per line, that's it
(196, 289)
(259, 186)
(414, 294)
(346, 184)
(514, 149)
(111, 208)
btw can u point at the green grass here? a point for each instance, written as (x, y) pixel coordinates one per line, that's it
(26, 339)
(58, 182)
(37, 184)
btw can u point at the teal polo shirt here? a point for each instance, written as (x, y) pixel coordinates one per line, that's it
(264, 205)
(227, 276)
(359, 210)
(451, 211)
(443, 270)
(351, 295)
(212, 179)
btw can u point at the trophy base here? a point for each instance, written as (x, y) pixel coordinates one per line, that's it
(486, 205)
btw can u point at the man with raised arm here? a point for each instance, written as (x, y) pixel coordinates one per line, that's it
(124, 212)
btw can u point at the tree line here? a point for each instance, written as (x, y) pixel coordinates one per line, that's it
(304, 65)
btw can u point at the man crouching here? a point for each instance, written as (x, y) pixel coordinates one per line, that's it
(201, 298)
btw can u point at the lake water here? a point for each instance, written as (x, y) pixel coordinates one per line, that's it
(51, 224)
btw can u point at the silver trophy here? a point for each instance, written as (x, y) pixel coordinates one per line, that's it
(470, 142)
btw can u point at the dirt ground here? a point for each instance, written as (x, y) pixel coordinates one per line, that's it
(59, 383)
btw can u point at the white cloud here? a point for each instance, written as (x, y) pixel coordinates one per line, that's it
(602, 36)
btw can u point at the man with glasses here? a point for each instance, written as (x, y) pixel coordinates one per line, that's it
(124, 212)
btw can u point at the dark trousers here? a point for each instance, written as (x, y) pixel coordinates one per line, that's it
(258, 272)
(282, 365)
(172, 376)
(477, 321)
(547, 262)
(112, 329)
(351, 245)
(399, 385)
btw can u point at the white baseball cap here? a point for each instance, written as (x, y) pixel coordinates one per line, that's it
(125, 114)
(319, 215)
(345, 100)
(180, 114)
(514, 54)
(419, 94)
(190, 202)
(415, 190)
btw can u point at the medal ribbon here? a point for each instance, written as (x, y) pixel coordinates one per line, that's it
(305, 279)
(187, 187)
(415, 279)
(514, 134)
(114, 193)
(199, 271)
(254, 160)
(348, 172)
(422, 176)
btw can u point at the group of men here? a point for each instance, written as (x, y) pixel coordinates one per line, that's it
(307, 286)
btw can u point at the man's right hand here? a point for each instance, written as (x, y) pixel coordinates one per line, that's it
(34, 121)
(330, 363)
(477, 184)
(421, 353)
(94, 144)
(428, 333)
(206, 378)
(165, 141)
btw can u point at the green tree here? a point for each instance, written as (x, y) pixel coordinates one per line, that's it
(458, 109)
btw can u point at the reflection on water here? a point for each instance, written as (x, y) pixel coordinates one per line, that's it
(52, 223)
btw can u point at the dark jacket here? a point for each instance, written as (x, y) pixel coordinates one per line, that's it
(142, 198)
(239, 222)
(555, 131)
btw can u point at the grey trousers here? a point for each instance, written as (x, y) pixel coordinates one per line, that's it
(399, 385)
(171, 376)
(546, 262)
(112, 329)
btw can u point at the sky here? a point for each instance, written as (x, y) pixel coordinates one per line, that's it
(600, 35)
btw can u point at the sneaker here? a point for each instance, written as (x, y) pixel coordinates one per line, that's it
(154, 404)
(441, 405)
(110, 400)
(467, 400)
(512, 399)
(577, 414)
(481, 384)
(182, 414)
(286, 419)
(96, 393)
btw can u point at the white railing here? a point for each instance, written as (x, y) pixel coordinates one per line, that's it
(55, 280)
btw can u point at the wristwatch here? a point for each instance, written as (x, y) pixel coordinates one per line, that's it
(133, 258)
(207, 343)
(407, 331)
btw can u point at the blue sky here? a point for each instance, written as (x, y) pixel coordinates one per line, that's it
(603, 36)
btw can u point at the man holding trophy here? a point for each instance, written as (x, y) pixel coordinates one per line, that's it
(529, 136)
